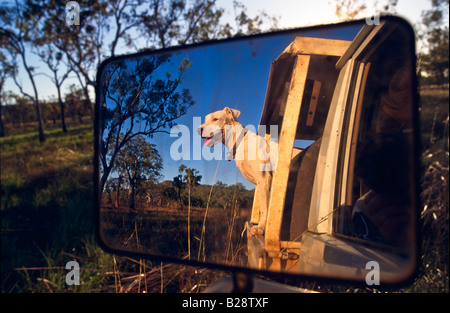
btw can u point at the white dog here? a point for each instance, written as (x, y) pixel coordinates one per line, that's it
(255, 158)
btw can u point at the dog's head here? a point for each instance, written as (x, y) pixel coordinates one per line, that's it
(214, 127)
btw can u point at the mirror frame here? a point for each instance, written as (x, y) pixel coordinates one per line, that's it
(248, 270)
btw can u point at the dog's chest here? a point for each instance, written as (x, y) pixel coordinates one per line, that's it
(253, 155)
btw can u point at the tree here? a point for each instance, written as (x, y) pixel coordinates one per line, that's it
(80, 44)
(242, 196)
(104, 25)
(43, 43)
(76, 103)
(352, 9)
(6, 69)
(186, 177)
(175, 22)
(15, 27)
(136, 101)
(434, 60)
(138, 161)
(19, 109)
(125, 17)
(53, 59)
(50, 110)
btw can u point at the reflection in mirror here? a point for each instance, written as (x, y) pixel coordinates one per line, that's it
(289, 152)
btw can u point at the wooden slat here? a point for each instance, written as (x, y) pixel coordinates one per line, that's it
(317, 46)
(285, 146)
(313, 103)
(255, 208)
(348, 198)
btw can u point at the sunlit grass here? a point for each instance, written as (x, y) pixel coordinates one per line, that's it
(47, 218)
(46, 204)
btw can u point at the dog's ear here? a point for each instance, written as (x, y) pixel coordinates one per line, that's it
(232, 113)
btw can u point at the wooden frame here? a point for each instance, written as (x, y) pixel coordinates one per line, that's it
(298, 55)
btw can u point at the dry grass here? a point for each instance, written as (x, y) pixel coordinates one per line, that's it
(46, 220)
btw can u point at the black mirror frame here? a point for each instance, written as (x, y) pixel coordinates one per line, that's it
(250, 271)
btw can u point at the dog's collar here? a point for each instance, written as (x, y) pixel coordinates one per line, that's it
(237, 142)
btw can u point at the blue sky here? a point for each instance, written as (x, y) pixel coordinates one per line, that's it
(296, 13)
(234, 75)
(290, 14)
(219, 90)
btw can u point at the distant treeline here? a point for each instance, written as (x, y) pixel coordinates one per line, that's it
(18, 110)
(166, 195)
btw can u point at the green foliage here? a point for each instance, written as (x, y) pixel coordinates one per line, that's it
(434, 64)
(136, 102)
(138, 161)
(46, 202)
(186, 179)
(434, 215)
(47, 214)
(105, 27)
(352, 9)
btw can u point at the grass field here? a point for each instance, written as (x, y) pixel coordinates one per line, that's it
(47, 218)
(46, 209)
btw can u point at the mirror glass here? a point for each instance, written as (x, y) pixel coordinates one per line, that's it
(289, 152)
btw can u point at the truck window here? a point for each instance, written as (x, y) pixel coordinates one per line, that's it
(376, 206)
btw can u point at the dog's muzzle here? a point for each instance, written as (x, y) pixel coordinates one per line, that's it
(210, 141)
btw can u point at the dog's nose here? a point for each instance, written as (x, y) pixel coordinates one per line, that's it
(199, 130)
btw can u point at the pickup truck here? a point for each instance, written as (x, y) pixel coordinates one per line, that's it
(341, 96)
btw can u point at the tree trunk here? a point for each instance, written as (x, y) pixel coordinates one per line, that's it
(85, 88)
(61, 105)
(2, 128)
(39, 118)
(118, 194)
(180, 198)
(36, 100)
(131, 195)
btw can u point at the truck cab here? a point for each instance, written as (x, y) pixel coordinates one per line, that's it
(337, 105)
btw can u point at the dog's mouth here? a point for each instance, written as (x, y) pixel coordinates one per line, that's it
(213, 140)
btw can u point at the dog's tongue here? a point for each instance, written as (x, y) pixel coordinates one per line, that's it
(210, 142)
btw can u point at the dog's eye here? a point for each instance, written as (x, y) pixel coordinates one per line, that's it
(215, 119)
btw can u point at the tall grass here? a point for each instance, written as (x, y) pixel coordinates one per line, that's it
(434, 215)
(46, 209)
(46, 219)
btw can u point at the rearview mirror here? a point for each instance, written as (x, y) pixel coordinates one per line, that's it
(292, 152)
